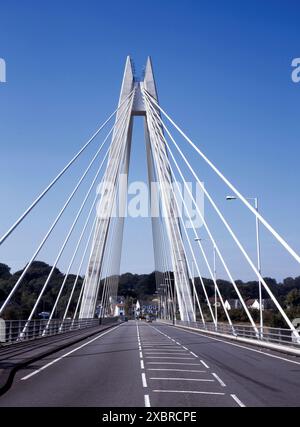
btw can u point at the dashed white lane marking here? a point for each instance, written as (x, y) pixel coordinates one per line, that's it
(147, 401)
(204, 364)
(195, 355)
(185, 348)
(183, 379)
(142, 364)
(188, 392)
(67, 354)
(141, 355)
(145, 385)
(219, 379)
(241, 404)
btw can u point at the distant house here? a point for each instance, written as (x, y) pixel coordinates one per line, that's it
(119, 310)
(233, 304)
(252, 304)
(266, 303)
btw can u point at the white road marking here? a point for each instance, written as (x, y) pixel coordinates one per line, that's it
(141, 355)
(219, 379)
(241, 404)
(169, 357)
(142, 364)
(242, 346)
(188, 392)
(175, 370)
(166, 352)
(147, 401)
(183, 379)
(67, 354)
(173, 363)
(145, 385)
(204, 364)
(185, 348)
(194, 354)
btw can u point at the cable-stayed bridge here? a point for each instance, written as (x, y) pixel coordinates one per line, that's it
(188, 357)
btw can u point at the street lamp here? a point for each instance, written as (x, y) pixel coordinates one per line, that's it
(198, 239)
(255, 199)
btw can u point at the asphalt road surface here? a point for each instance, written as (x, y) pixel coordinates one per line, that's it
(137, 364)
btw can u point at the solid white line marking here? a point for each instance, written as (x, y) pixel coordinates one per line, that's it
(175, 370)
(173, 363)
(188, 391)
(167, 357)
(241, 404)
(241, 346)
(219, 379)
(144, 380)
(183, 379)
(67, 354)
(204, 364)
(147, 401)
(175, 353)
(142, 364)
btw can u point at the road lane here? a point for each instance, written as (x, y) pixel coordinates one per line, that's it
(253, 377)
(139, 364)
(106, 372)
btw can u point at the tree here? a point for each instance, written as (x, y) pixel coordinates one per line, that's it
(293, 298)
(4, 271)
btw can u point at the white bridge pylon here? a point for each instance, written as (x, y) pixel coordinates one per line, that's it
(158, 165)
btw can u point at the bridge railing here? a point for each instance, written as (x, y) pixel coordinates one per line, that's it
(267, 334)
(13, 331)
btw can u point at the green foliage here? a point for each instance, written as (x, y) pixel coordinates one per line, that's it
(142, 287)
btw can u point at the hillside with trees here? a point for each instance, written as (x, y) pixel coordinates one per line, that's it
(133, 287)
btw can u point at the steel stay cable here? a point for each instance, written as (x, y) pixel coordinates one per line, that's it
(36, 201)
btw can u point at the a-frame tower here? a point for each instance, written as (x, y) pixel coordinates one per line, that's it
(156, 155)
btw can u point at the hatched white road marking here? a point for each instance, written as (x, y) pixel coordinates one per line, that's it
(188, 392)
(173, 363)
(182, 379)
(175, 370)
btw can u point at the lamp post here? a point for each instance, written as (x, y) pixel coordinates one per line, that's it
(257, 224)
(198, 239)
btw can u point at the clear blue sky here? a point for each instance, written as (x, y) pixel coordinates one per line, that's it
(223, 71)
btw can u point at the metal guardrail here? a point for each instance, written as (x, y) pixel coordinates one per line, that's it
(270, 335)
(13, 331)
